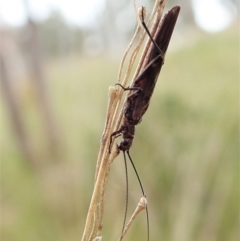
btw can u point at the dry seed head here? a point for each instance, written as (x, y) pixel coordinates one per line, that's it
(112, 91)
(142, 203)
(141, 15)
(99, 238)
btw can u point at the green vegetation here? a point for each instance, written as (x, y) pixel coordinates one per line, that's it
(185, 149)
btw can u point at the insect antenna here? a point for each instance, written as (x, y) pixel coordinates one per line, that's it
(143, 193)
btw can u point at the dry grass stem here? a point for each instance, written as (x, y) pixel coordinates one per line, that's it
(140, 207)
(94, 221)
(98, 215)
(112, 156)
(112, 94)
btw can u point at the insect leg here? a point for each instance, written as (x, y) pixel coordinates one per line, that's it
(130, 88)
(149, 34)
(115, 133)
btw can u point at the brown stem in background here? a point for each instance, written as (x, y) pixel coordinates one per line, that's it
(40, 81)
(14, 110)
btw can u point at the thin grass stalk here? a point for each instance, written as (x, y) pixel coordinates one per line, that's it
(140, 207)
(94, 221)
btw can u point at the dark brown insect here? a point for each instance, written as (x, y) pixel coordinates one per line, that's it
(141, 91)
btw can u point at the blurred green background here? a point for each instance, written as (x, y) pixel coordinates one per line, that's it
(186, 148)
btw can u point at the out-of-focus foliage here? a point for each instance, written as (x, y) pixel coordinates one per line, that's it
(111, 30)
(185, 149)
(57, 37)
(60, 38)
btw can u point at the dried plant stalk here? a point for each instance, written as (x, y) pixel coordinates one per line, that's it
(140, 207)
(94, 220)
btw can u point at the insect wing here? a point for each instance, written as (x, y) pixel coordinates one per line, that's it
(153, 63)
